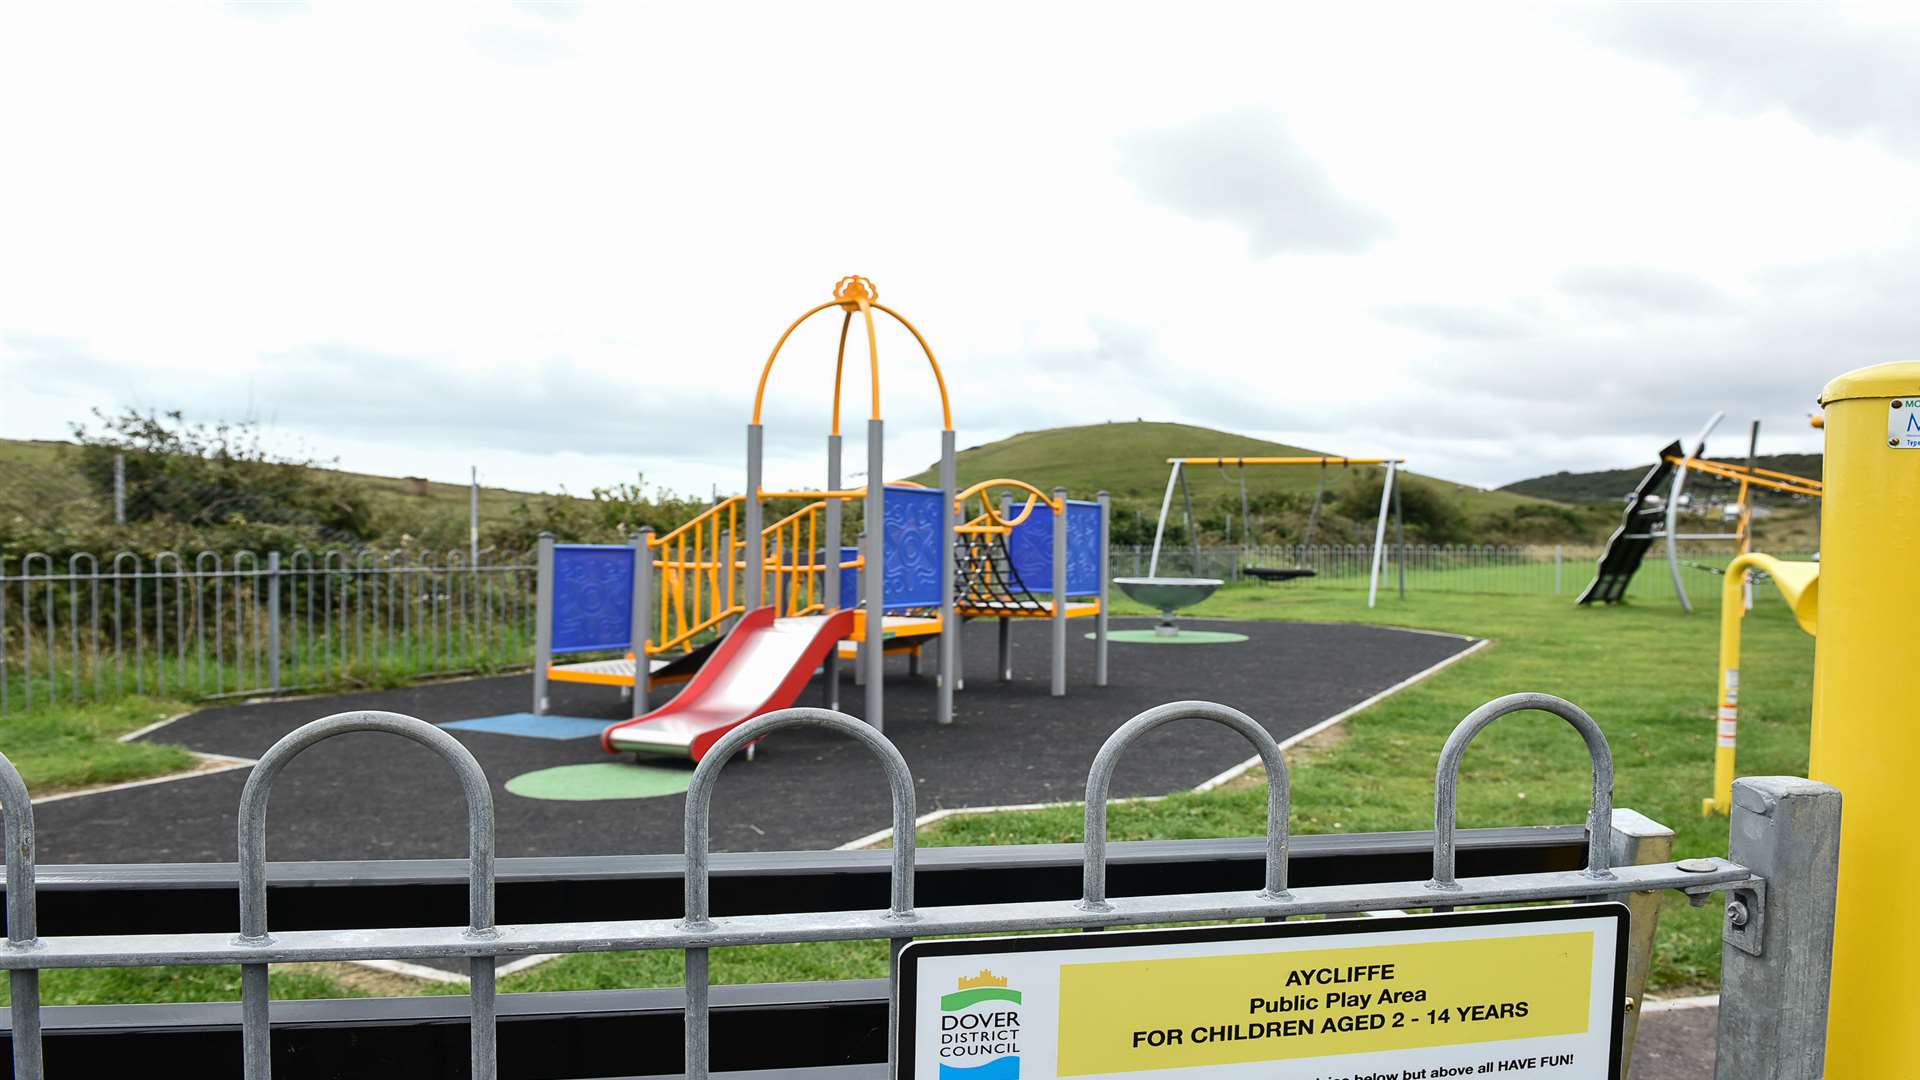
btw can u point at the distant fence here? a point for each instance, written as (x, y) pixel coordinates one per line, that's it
(1510, 569)
(213, 625)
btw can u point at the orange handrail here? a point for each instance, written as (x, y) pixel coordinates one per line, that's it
(696, 576)
(789, 583)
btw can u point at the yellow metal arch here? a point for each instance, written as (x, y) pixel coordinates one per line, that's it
(940, 380)
(855, 294)
(760, 395)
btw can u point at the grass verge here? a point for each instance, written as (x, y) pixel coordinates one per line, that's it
(63, 746)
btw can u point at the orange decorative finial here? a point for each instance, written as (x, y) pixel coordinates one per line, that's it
(854, 292)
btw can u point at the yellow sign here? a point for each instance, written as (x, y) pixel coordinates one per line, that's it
(1129, 1015)
(1511, 993)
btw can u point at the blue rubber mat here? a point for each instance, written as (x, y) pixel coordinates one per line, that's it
(530, 726)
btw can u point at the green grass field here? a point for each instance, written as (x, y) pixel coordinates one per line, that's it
(1646, 673)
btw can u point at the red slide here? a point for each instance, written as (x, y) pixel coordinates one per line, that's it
(761, 666)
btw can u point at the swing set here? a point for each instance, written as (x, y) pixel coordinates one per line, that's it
(1389, 503)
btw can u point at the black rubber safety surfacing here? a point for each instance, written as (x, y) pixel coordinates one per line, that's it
(364, 796)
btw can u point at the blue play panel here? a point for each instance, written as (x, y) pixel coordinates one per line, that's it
(530, 726)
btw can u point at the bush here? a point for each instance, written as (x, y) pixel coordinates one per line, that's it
(1430, 517)
(611, 516)
(203, 476)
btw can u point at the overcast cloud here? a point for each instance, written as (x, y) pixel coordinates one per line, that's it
(558, 240)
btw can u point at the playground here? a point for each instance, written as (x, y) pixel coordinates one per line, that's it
(966, 636)
(1011, 743)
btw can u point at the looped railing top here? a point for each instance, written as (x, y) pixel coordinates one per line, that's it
(992, 518)
(1100, 780)
(700, 802)
(17, 804)
(1446, 782)
(253, 812)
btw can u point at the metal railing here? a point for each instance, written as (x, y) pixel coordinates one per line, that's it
(225, 625)
(1777, 931)
(1506, 569)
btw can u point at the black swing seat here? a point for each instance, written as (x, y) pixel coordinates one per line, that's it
(1277, 573)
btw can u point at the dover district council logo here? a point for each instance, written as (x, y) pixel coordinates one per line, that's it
(980, 1030)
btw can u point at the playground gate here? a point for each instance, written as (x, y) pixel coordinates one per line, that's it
(1778, 879)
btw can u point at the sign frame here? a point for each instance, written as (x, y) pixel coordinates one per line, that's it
(907, 979)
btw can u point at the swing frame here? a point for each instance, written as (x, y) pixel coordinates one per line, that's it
(1389, 502)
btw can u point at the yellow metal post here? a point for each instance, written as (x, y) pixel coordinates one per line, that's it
(1799, 583)
(1865, 741)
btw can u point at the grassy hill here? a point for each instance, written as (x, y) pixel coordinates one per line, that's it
(1129, 459)
(1611, 485)
(40, 482)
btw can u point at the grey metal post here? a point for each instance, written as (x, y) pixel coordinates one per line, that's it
(119, 489)
(831, 584)
(542, 621)
(22, 932)
(1100, 620)
(1060, 592)
(273, 620)
(642, 615)
(949, 643)
(860, 654)
(874, 658)
(753, 523)
(473, 517)
(1638, 841)
(1556, 569)
(1773, 1003)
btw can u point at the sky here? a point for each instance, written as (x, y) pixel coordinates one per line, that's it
(557, 241)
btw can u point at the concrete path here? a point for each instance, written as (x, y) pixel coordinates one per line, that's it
(1675, 1043)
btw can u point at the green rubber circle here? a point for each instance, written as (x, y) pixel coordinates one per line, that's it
(1184, 637)
(599, 781)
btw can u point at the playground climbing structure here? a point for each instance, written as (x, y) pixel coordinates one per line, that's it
(923, 565)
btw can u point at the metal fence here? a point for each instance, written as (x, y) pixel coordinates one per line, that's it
(1507, 569)
(212, 626)
(1779, 879)
(217, 625)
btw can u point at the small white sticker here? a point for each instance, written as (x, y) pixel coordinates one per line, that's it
(1903, 423)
